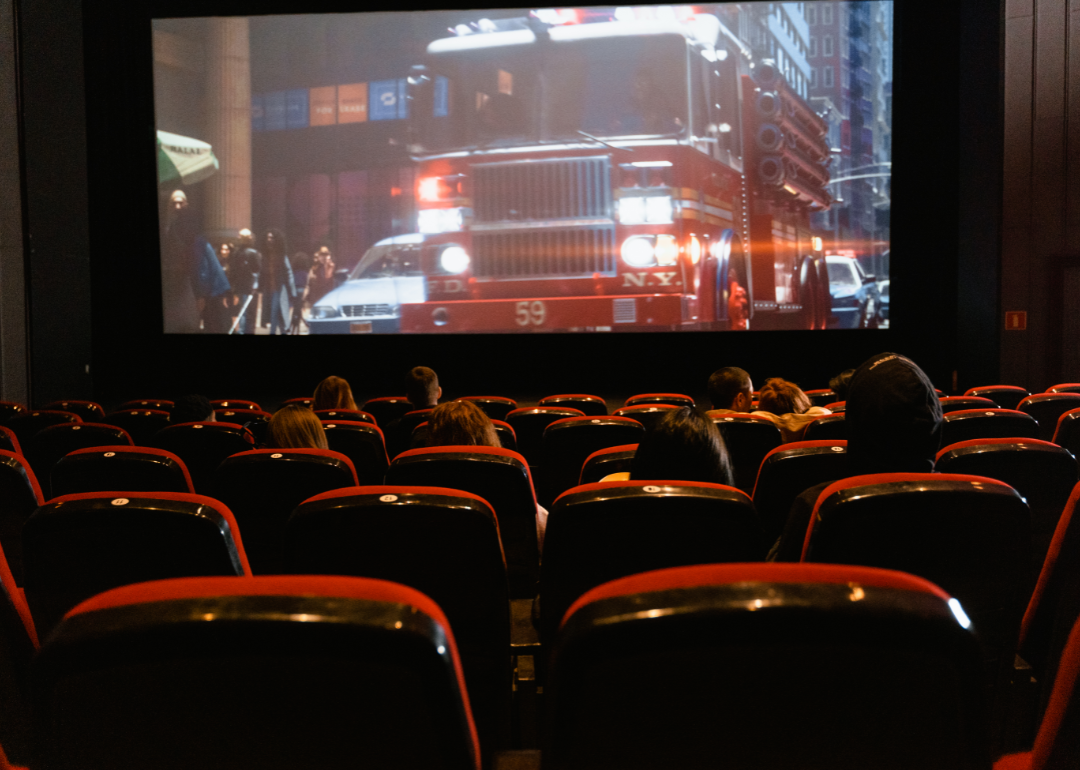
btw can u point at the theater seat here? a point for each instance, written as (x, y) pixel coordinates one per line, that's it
(363, 444)
(236, 405)
(968, 424)
(274, 673)
(20, 495)
(816, 667)
(88, 411)
(386, 409)
(1067, 432)
(821, 397)
(352, 415)
(148, 403)
(8, 441)
(600, 532)
(604, 462)
(203, 446)
(141, 424)
(10, 409)
(647, 414)
(826, 427)
(749, 439)
(591, 406)
(254, 420)
(678, 399)
(1046, 408)
(1005, 396)
(18, 643)
(1065, 387)
(263, 486)
(789, 470)
(957, 403)
(28, 425)
(398, 434)
(49, 445)
(495, 407)
(529, 425)
(111, 468)
(300, 400)
(76, 546)
(570, 441)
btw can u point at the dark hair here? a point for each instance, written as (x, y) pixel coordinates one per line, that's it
(422, 387)
(280, 246)
(333, 393)
(294, 426)
(725, 384)
(683, 446)
(840, 384)
(192, 408)
(782, 397)
(461, 423)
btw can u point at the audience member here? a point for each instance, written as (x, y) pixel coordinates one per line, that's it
(333, 393)
(461, 423)
(422, 387)
(730, 390)
(295, 427)
(894, 424)
(840, 384)
(684, 446)
(192, 408)
(788, 407)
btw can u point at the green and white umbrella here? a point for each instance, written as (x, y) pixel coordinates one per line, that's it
(183, 159)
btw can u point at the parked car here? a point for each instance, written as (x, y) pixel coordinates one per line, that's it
(883, 292)
(856, 302)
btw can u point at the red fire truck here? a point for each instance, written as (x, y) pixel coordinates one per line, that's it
(613, 174)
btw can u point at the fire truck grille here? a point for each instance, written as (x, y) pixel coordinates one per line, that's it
(520, 191)
(578, 251)
(365, 311)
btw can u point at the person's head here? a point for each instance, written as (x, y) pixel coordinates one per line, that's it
(782, 397)
(422, 387)
(275, 242)
(840, 384)
(461, 423)
(683, 446)
(178, 200)
(193, 408)
(224, 250)
(322, 255)
(333, 393)
(730, 388)
(246, 238)
(893, 417)
(300, 261)
(294, 426)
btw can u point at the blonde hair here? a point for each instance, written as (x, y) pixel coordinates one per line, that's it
(295, 427)
(333, 393)
(461, 423)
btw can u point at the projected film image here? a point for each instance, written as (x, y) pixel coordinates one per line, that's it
(648, 168)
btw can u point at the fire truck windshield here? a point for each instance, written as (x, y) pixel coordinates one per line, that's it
(611, 87)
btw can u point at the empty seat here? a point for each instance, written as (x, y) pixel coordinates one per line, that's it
(499, 476)
(1067, 432)
(203, 446)
(363, 444)
(495, 407)
(821, 396)
(236, 405)
(968, 534)
(1042, 472)
(276, 673)
(829, 426)
(398, 434)
(837, 407)
(386, 409)
(263, 486)
(1046, 408)
(49, 445)
(76, 546)
(590, 406)
(301, 400)
(8, 441)
(150, 403)
(529, 425)
(20, 495)
(748, 439)
(604, 462)
(140, 424)
(506, 434)
(442, 542)
(968, 424)
(600, 532)
(647, 414)
(88, 411)
(352, 415)
(788, 471)
(570, 441)
(766, 666)
(28, 425)
(254, 420)
(1065, 387)
(120, 468)
(958, 403)
(1005, 396)
(18, 643)
(10, 409)
(677, 399)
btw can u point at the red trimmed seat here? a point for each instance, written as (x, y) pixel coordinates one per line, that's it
(827, 427)
(10, 409)
(789, 470)
(125, 468)
(748, 439)
(254, 674)
(766, 666)
(49, 445)
(442, 542)
(570, 441)
(236, 405)
(28, 425)
(301, 400)
(18, 642)
(399, 433)
(969, 534)
(529, 425)
(1067, 431)
(604, 462)
(8, 441)
(677, 399)
(141, 424)
(254, 420)
(591, 406)
(150, 403)
(1046, 408)
(363, 444)
(958, 403)
(967, 424)
(1005, 396)
(647, 414)
(499, 476)
(386, 409)
(600, 532)
(203, 446)
(351, 415)
(1065, 387)
(495, 407)
(837, 407)
(263, 486)
(821, 396)
(20, 495)
(77, 546)
(88, 411)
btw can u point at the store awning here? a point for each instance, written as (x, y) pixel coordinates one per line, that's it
(183, 159)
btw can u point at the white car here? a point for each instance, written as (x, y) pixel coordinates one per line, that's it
(370, 300)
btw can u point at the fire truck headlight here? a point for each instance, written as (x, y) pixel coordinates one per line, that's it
(454, 259)
(430, 221)
(632, 211)
(667, 250)
(637, 251)
(428, 188)
(658, 210)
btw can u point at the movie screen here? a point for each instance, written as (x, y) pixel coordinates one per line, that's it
(648, 168)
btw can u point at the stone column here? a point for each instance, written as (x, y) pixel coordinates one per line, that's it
(228, 127)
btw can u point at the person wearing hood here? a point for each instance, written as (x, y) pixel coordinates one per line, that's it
(894, 424)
